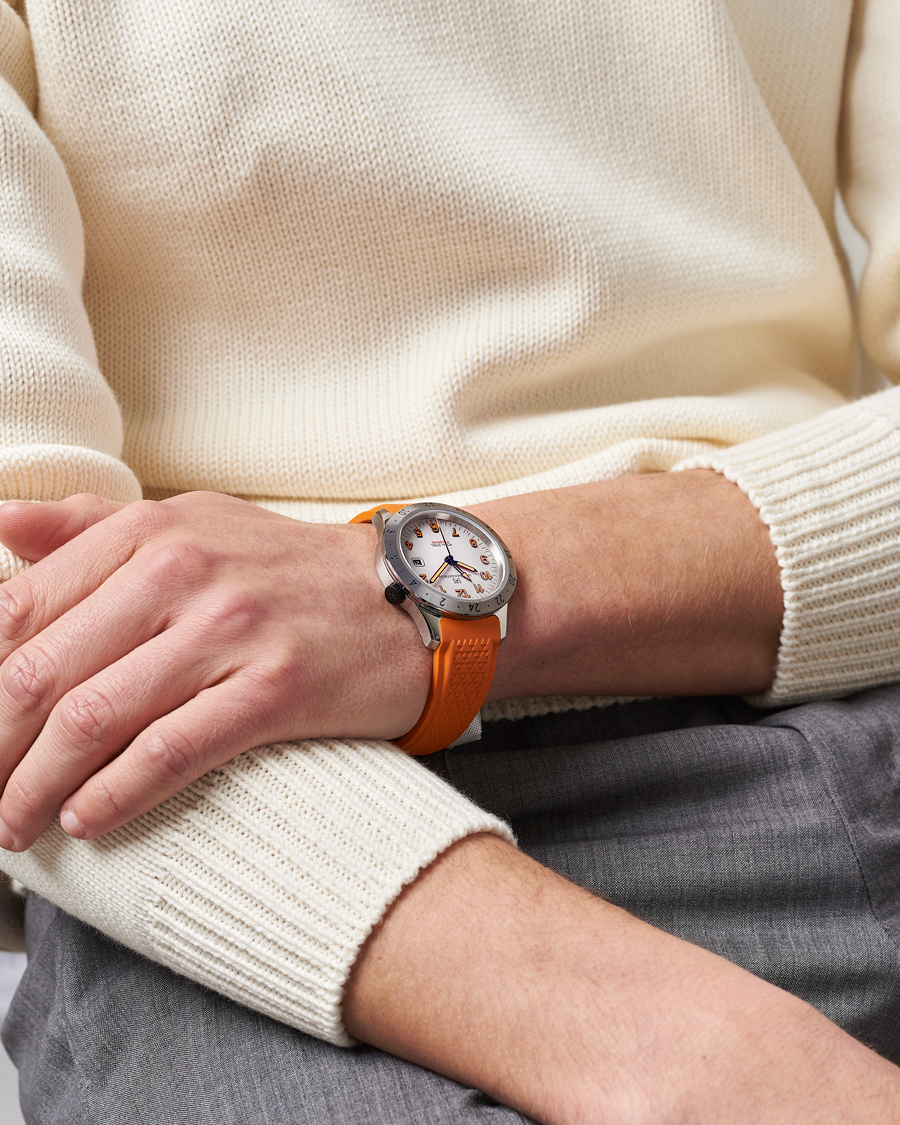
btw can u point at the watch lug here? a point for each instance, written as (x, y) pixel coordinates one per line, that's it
(501, 617)
(428, 625)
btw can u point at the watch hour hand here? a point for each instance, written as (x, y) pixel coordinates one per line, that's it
(464, 566)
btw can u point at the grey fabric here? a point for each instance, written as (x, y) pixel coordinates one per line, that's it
(771, 838)
(12, 917)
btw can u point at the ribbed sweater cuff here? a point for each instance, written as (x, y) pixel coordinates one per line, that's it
(263, 879)
(829, 491)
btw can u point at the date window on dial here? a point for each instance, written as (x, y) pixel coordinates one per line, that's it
(416, 562)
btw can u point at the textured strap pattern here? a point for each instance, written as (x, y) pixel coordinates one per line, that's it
(461, 675)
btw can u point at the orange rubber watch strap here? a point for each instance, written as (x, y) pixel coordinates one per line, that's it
(366, 517)
(461, 674)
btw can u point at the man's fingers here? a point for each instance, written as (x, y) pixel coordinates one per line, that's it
(95, 634)
(209, 729)
(34, 531)
(34, 599)
(93, 722)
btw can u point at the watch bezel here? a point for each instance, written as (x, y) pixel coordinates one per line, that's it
(431, 600)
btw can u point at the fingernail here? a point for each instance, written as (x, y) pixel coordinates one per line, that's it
(72, 824)
(7, 840)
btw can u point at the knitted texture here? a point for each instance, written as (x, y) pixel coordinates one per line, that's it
(263, 879)
(327, 255)
(342, 253)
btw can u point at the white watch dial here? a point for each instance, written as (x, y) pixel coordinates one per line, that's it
(451, 556)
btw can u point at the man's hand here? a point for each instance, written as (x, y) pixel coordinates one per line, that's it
(155, 641)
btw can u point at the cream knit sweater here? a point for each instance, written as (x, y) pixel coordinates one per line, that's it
(330, 254)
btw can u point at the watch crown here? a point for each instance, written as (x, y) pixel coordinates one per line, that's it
(395, 593)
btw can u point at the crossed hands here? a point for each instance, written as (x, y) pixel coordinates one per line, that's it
(151, 642)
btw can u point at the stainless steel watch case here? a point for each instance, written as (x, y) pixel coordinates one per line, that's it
(425, 605)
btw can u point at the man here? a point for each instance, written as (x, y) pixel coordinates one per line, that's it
(337, 258)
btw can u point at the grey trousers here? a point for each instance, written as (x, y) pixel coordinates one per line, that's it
(772, 838)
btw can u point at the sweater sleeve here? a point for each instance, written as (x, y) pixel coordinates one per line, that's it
(263, 879)
(829, 490)
(60, 429)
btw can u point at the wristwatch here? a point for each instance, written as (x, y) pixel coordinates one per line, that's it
(454, 576)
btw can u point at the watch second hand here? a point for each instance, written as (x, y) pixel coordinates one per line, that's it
(446, 544)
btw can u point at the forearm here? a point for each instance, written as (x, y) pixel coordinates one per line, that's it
(650, 585)
(497, 972)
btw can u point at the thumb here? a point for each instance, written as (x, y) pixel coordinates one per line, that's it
(34, 531)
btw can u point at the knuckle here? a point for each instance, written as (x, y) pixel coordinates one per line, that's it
(179, 564)
(170, 756)
(192, 500)
(148, 513)
(282, 670)
(234, 610)
(279, 678)
(103, 801)
(146, 518)
(86, 718)
(16, 608)
(21, 805)
(28, 679)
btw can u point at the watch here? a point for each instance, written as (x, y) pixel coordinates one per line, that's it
(454, 576)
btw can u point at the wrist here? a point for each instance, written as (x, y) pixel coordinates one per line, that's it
(394, 665)
(494, 1010)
